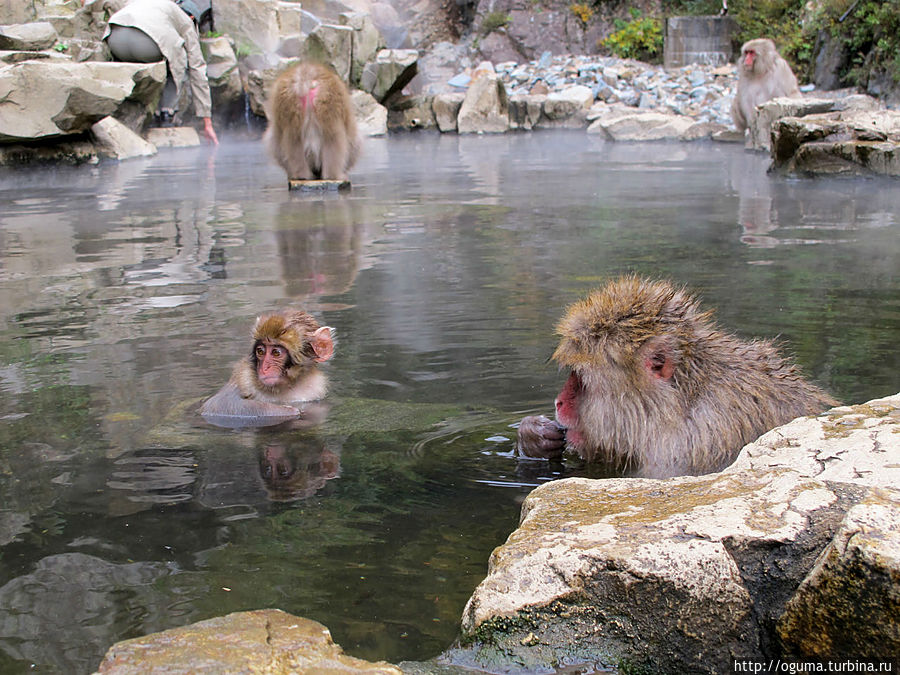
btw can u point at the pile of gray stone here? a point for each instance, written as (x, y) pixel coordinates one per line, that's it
(57, 83)
(702, 92)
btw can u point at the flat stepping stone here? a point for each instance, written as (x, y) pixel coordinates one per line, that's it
(318, 185)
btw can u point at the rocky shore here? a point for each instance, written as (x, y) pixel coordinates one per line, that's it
(701, 92)
(57, 86)
(771, 557)
(792, 553)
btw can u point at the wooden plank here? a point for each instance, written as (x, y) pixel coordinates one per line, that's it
(317, 185)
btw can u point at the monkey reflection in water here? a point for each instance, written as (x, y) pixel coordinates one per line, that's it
(297, 470)
(656, 388)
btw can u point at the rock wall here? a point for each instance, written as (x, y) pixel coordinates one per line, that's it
(522, 30)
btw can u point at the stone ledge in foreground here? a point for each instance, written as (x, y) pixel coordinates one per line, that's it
(770, 557)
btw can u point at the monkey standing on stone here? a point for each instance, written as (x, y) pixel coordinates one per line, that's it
(311, 129)
(655, 386)
(762, 76)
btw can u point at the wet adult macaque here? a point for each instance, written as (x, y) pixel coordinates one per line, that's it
(655, 387)
(762, 76)
(279, 375)
(311, 124)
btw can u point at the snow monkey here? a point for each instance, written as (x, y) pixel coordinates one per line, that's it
(311, 124)
(280, 373)
(762, 76)
(656, 387)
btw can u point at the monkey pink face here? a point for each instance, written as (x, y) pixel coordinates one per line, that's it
(567, 408)
(271, 361)
(749, 57)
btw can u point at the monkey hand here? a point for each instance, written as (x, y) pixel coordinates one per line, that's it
(540, 437)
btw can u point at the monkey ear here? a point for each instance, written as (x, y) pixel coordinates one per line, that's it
(322, 344)
(658, 359)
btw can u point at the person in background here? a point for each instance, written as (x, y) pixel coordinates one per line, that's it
(145, 31)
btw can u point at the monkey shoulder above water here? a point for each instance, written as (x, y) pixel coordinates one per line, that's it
(656, 387)
(280, 373)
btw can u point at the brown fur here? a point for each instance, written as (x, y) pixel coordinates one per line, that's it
(663, 389)
(768, 77)
(307, 344)
(311, 123)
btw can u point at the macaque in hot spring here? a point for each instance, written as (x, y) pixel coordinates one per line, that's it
(762, 76)
(311, 129)
(279, 375)
(656, 387)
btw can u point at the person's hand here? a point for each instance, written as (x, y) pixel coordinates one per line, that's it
(209, 132)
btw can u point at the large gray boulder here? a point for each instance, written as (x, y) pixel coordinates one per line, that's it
(763, 119)
(525, 111)
(50, 98)
(389, 72)
(485, 109)
(411, 112)
(622, 123)
(331, 44)
(28, 36)
(257, 81)
(366, 42)
(838, 143)
(224, 77)
(569, 107)
(116, 141)
(771, 556)
(261, 641)
(252, 24)
(446, 110)
(371, 116)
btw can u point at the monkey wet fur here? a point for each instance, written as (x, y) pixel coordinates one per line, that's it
(311, 129)
(657, 388)
(280, 372)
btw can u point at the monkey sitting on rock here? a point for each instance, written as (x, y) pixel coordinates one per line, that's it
(762, 76)
(655, 387)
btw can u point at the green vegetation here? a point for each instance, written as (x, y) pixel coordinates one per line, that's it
(867, 30)
(641, 38)
(494, 21)
(582, 12)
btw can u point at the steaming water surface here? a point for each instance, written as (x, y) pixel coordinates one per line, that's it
(127, 291)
